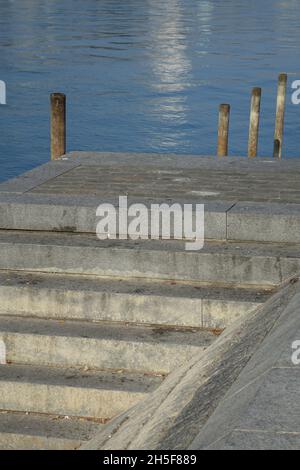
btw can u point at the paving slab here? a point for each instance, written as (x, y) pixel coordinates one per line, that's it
(256, 440)
(165, 176)
(37, 176)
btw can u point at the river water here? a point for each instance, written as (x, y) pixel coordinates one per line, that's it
(143, 75)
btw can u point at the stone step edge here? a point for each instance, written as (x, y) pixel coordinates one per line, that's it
(224, 220)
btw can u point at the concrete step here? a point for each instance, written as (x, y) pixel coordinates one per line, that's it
(72, 392)
(100, 345)
(218, 262)
(224, 219)
(77, 213)
(26, 431)
(230, 263)
(59, 296)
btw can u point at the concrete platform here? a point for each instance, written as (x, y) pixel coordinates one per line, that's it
(163, 176)
(253, 200)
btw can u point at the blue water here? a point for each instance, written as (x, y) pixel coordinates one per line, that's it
(143, 75)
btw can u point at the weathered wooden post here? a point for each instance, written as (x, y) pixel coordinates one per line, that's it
(58, 125)
(276, 148)
(280, 109)
(254, 122)
(223, 130)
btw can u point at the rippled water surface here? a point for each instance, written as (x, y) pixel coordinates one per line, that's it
(143, 75)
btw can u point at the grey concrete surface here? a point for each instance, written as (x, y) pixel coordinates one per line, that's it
(91, 328)
(243, 264)
(189, 409)
(59, 296)
(63, 195)
(264, 222)
(100, 346)
(36, 177)
(149, 174)
(264, 401)
(21, 431)
(77, 213)
(249, 440)
(70, 391)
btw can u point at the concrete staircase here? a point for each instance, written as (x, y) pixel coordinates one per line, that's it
(91, 327)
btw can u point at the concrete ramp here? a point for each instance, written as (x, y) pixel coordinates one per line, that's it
(261, 409)
(242, 392)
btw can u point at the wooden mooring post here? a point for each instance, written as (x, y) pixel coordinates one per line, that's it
(223, 130)
(280, 110)
(58, 125)
(254, 122)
